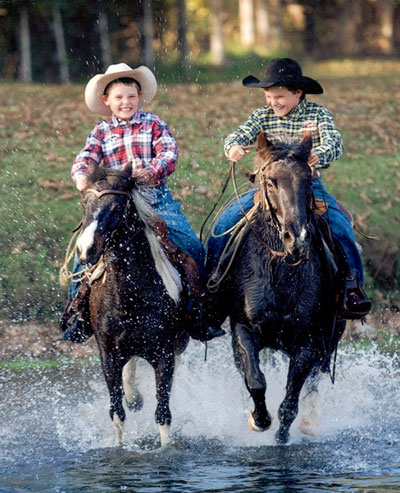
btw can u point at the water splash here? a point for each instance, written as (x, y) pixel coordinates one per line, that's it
(209, 401)
(55, 429)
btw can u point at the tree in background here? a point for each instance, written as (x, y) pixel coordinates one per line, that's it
(58, 40)
(25, 69)
(217, 48)
(60, 43)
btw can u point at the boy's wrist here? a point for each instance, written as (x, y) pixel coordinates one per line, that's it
(81, 183)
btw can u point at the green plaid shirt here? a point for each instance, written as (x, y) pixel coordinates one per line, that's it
(327, 141)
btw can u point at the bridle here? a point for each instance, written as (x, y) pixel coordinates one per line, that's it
(107, 192)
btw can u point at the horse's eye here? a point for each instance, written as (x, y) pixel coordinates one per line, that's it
(272, 184)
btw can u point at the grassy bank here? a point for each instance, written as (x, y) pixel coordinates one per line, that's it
(43, 127)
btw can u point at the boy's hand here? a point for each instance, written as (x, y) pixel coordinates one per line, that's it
(309, 128)
(313, 159)
(236, 153)
(82, 183)
(142, 176)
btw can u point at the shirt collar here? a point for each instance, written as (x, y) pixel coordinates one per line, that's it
(117, 122)
(299, 109)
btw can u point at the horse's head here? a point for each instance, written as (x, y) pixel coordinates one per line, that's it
(284, 179)
(104, 203)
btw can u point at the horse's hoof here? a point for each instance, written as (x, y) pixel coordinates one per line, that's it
(282, 437)
(307, 427)
(259, 427)
(164, 434)
(118, 428)
(310, 418)
(136, 404)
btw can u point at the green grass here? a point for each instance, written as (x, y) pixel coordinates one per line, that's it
(18, 365)
(43, 127)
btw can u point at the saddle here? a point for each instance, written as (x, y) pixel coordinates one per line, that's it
(352, 302)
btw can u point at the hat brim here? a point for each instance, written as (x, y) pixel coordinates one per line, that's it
(95, 88)
(306, 84)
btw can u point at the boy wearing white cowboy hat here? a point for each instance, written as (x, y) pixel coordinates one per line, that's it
(288, 112)
(129, 134)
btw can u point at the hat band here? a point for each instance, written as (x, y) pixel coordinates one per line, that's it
(129, 80)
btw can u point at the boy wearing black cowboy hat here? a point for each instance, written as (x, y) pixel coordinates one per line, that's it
(288, 112)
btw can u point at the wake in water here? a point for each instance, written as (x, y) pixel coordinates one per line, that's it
(209, 401)
(55, 429)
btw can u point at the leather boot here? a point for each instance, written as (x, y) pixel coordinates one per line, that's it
(75, 323)
(199, 323)
(356, 304)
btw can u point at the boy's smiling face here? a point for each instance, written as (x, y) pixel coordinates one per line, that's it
(122, 99)
(282, 100)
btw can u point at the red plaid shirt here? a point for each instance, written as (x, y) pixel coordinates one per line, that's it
(145, 141)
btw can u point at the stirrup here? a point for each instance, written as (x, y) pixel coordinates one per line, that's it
(356, 304)
(79, 331)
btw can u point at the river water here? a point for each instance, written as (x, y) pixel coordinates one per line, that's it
(56, 436)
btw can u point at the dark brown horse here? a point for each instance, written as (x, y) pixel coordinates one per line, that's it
(134, 301)
(280, 292)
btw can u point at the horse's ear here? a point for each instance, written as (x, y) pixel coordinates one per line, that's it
(127, 169)
(306, 141)
(262, 142)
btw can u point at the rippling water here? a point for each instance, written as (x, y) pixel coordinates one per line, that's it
(55, 434)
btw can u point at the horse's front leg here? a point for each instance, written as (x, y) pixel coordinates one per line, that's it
(164, 372)
(112, 369)
(247, 360)
(300, 367)
(310, 417)
(133, 397)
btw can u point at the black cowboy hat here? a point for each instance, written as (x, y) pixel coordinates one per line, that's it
(287, 73)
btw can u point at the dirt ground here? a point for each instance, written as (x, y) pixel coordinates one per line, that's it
(43, 341)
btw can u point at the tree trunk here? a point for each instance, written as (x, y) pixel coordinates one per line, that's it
(25, 71)
(310, 23)
(105, 44)
(268, 24)
(182, 38)
(147, 33)
(348, 41)
(217, 34)
(246, 20)
(386, 27)
(60, 44)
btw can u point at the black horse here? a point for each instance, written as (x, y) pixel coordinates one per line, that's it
(135, 292)
(280, 291)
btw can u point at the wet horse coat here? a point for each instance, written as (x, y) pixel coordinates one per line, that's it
(280, 291)
(134, 306)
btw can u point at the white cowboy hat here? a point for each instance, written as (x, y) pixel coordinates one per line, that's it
(95, 87)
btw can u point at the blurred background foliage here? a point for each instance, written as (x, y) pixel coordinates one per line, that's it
(70, 40)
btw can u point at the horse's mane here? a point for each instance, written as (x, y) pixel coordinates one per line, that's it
(282, 149)
(142, 196)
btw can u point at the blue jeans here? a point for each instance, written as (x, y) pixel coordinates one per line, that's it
(179, 231)
(339, 223)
